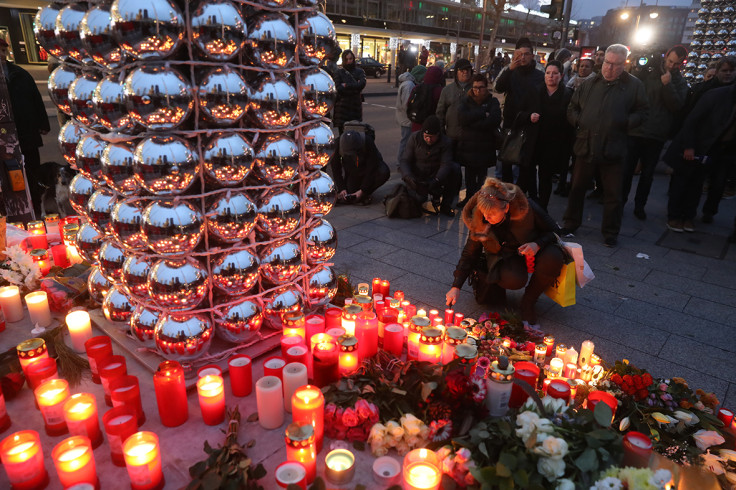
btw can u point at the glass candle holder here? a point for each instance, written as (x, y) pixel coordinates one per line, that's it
(637, 450)
(340, 466)
(291, 473)
(468, 354)
(561, 351)
(349, 356)
(298, 353)
(30, 351)
(314, 324)
(308, 407)
(289, 341)
(452, 337)
(320, 337)
(120, 423)
(273, 366)
(540, 353)
(40, 371)
(430, 345)
(52, 223)
(325, 363)
(50, 396)
(586, 351)
(393, 339)
(211, 390)
(80, 415)
(75, 462)
(349, 315)
(37, 238)
(22, 458)
(241, 375)
(209, 369)
(559, 388)
(366, 330)
(97, 348)
(143, 461)
(171, 394)
(126, 390)
(110, 369)
(418, 322)
(11, 304)
(556, 365)
(549, 343)
(333, 317)
(300, 447)
(595, 397)
(421, 470)
(5, 421)
(294, 323)
(40, 257)
(528, 372)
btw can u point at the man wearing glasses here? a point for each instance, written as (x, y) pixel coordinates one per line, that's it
(603, 110)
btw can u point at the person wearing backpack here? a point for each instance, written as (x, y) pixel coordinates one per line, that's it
(424, 97)
(408, 81)
(357, 167)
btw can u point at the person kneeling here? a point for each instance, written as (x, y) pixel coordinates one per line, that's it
(506, 228)
(358, 168)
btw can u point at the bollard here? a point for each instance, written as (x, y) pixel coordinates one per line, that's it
(388, 74)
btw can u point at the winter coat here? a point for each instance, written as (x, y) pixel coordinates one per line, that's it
(516, 84)
(552, 135)
(478, 122)
(448, 105)
(434, 76)
(665, 103)
(29, 111)
(360, 168)
(349, 102)
(407, 84)
(603, 113)
(423, 162)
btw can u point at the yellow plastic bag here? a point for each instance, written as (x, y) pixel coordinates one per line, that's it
(562, 291)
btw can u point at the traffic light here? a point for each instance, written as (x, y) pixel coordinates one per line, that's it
(554, 10)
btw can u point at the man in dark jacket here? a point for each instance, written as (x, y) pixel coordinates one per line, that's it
(350, 82)
(666, 92)
(427, 167)
(450, 97)
(358, 168)
(603, 110)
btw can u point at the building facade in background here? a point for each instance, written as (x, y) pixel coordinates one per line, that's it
(16, 27)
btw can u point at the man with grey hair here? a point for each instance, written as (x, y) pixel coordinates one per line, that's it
(603, 110)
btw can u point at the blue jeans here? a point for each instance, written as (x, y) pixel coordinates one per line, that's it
(405, 133)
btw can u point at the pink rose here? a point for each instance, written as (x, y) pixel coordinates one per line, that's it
(349, 418)
(330, 410)
(356, 434)
(363, 409)
(529, 347)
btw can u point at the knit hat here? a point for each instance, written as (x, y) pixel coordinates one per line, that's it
(432, 125)
(418, 73)
(463, 64)
(351, 143)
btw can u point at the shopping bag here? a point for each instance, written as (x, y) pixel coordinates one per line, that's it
(562, 291)
(583, 272)
(512, 146)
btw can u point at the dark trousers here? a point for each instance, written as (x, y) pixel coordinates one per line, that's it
(475, 176)
(582, 175)
(377, 178)
(686, 187)
(32, 164)
(550, 163)
(718, 171)
(647, 150)
(447, 188)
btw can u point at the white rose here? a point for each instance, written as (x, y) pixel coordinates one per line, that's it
(554, 405)
(550, 468)
(552, 447)
(378, 432)
(688, 418)
(609, 483)
(713, 463)
(526, 422)
(411, 424)
(379, 449)
(707, 438)
(565, 484)
(544, 425)
(393, 428)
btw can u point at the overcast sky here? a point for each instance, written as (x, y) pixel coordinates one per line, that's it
(585, 9)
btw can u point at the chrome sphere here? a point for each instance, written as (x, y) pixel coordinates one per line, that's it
(118, 167)
(321, 242)
(81, 92)
(279, 213)
(273, 102)
(179, 284)
(277, 3)
(97, 285)
(98, 38)
(135, 275)
(322, 286)
(271, 41)
(231, 218)
(59, 81)
(277, 160)
(116, 306)
(165, 165)
(228, 159)
(172, 227)
(111, 260)
(318, 38)
(88, 242)
(80, 190)
(110, 105)
(69, 135)
(67, 31)
(143, 325)
(149, 30)
(125, 221)
(319, 146)
(235, 273)
(218, 29)
(280, 301)
(99, 208)
(223, 96)
(240, 322)
(320, 194)
(183, 337)
(281, 262)
(158, 97)
(318, 93)
(44, 27)
(89, 156)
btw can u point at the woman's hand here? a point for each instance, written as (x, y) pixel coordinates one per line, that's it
(530, 248)
(534, 117)
(451, 296)
(342, 195)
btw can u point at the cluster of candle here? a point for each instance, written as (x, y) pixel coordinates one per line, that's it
(60, 232)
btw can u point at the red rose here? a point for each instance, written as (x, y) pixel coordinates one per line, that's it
(647, 379)
(638, 382)
(356, 434)
(362, 409)
(349, 418)
(641, 394)
(616, 378)
(628, 379)
(330, 410)
(457, 383)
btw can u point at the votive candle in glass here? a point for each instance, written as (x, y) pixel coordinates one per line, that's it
(211, 390)
(98, 348)
(432, 315)
(339, 466)
(273, 366)
(126, 390)
(421, 470)
(726, 416)
(300, 447)
(60, 254)
(80, 329)
(393, 339)
(335, 332)
(559, 388)
(452, 337)
(110, 369)
(385, 288)
(50, 396)
(308, 407)
(52, 224)
(377, 285)
(270, 402)
(349, 355)
(40, 371)
(37, 238)
(80, 415)
(594, 397)
(209, 369)
(11, 304)
(418, 322)
(449, 316)
(298, 353)
(571, 357)
(75, 462)
(399, 295)
(349, 315)
(528, 372)
(586, 351)
(571, 370)
(467, 353)
(555, 367)
(540, 353)
(30, 351)
(295, 376)
(120, 423)
(325, 363)
(595, 360)
(366, 330)
(289, 341)
(313, 325)
(386, 316)
(38, 308)
(291, 473)
(459, 317)
(560, 351)
(171, 393)
(22, 458)
(430, 345)
(333, 317)
(241, 375)
(294, 324)
(549, 342)
(143, 460)
(320, 337)
(40, 257)
(637, 450)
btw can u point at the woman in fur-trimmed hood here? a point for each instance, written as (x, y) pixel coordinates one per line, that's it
(505, 228)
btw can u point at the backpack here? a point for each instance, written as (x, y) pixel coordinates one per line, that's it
(421, 103)
(399, 204)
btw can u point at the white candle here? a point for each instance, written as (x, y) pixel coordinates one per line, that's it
(10, 303)
(586, 351)
(270, 402)
(295, 376)
(555, 367)
(38, 308)
(80, 329)
(571, 356)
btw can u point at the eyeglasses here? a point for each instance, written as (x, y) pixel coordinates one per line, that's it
(606, 62)
(480, 87)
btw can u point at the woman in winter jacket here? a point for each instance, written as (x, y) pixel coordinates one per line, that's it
(350, 82)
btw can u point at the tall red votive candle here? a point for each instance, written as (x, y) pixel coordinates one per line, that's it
(393, 338)
(98, 348)
(313, 325)
(51, 396)
(325, 363)
(291, 473)
(126, 390)
(37, 238)
(298, 353)
(637, 450)
(333, 317)
(5, 422)
(349, 355)
(308, 407)
(143, 460)
(40, 371)
(399, 295)
(526, 371)
(171, 394)
(301, 447)
(289, 341)
(211, 390)
(273, 366)
(22, 457)
(449, 317)
(385, 288)
(75, 462)
(241, 375)
(110, 369)
(60, 255)
(459, 317)
(120, 423)
(376, 285)
(30, 351)
(80, 415)
(366, 330)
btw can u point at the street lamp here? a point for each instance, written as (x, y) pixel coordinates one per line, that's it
(624, 15)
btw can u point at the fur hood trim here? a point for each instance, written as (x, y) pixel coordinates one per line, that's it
(486, 199)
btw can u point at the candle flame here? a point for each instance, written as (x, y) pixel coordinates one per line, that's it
(73, 453)
(80, 407)
(21, 448)
(141, 449)
(52, 393)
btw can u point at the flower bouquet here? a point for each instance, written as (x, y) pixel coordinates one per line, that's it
(19, 270)
(352, 423)
(406, 434)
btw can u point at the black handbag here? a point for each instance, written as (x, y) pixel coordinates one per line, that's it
(513, 144)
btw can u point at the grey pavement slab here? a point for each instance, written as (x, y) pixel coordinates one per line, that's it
(712, 292)
(629, 288)
(716, 312)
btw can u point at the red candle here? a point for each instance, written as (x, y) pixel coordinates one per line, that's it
(37, 238)
(212, 369)
(377, 285)
(291, 473)
(211, 390)
(602, 396)
(75, 462)
(61, 257)
(40, 371)
(30, 351)
(80, 415)
(289, 341)
(171, 394)
(126, 390)
(333, 317)
(549, 341)
(51, 396)
(399, 295)
(98, 349)
(449, 316)
(325, 363)
(22, 457)
(274, 366)
(5, 422)
(366, 330)
(349, 354)
(294, 324)
(308, 407)
(725, 416)
(393, 339)
(320, 337)
(120, 423)
(335, 332)
(526, 371)
(298, 353)
(314, 324)
(385, 288)
(109, 369)
(241, 375)
(459, 317)
(637, 450)
(300, 447)
(559, 388)
(385, 317)
(143, 460)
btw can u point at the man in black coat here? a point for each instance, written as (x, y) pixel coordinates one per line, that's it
(31, 121)
(358, 168)
(350, 82)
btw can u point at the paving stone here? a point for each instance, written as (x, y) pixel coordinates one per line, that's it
(618, 267)
(347, 238)
(657, 262)
(710, 360)
(429, 293)
(400, 239)
(598, 299)
(628, 288)
(353, 264)
(373, 248)
(419, 264)
(425, 226)
(711, 311)
(702, 290)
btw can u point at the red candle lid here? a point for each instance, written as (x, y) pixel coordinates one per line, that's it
(638, 439)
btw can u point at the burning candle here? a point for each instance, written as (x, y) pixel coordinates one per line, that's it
(38, 237)
(377, 285)
(30, 351)
(526, 371)
(80, 329)
(418, 322)
(22, 457)
(273, 366)
(241, 375)
(325, 363)
(289, 341)
(60, 255)
(449, 316)
(300, 447)
(291, 473)
(308, 407)
(98, 348)
(125, 390)
(555, 367)
(171, 394)
(386, 316)
(339, 466)
(549, 342)
(298, 353)
(50, 396)
(586, 351)
(571, 357)
(366, 328)
(270, 402)
(80, 415)
(109, 369)
(385, 288)
(459, 317)
(335, 332)
(571, 370)
(40, 257)
(52, 223)
(393, 338)
(333, 317)
(314, 324)
(452, 337)
(399, 295)
(559, 388)
(349, 357)
(320, 337)
(40, 371)
(595, 360)
(11, 304)
(561, 351)
(349, 315)
(421, 470)
(38, 308)
(143, 460)
(637, 450)
(5, 422)
(211, 390)
(294, 324)
(75, 462)
(295, 376)
(433, 314)
(540, 353)
(209, 369)
(120, 423)
(430, 345)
